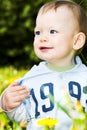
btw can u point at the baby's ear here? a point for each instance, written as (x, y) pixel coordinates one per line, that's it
(79, 40)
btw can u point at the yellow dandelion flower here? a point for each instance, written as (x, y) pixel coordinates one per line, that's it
(13, 79)
(1, 110)
(23, 124)
(2, 124)
(47, 122)
(78, 106)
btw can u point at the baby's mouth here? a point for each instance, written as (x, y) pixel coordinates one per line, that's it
(46, 48)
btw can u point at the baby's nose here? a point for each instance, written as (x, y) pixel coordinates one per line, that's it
(44, 38)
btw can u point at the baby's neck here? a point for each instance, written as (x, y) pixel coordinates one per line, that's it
(60, 68)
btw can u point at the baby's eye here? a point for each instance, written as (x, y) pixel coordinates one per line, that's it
(37, 33)
(53, 31)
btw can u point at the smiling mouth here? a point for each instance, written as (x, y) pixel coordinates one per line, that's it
(46, 48)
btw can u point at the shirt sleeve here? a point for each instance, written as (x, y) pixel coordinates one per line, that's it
(18, 114)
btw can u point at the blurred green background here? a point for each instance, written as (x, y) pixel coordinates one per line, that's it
(17, 21)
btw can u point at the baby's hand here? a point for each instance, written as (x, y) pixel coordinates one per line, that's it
(13, 96)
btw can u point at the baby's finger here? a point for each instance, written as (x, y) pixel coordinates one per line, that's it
(14, 84)
(20, 98)
(19, 88)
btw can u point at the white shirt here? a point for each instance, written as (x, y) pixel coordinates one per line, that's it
(42, 81)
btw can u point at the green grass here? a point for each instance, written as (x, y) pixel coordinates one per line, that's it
(7, 76)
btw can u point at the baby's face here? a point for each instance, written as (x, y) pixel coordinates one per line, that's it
(54, 36)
